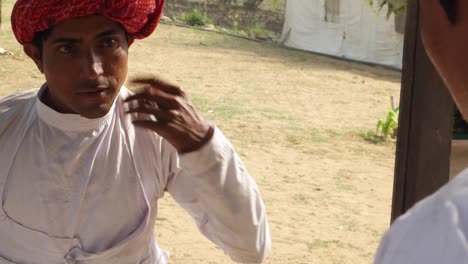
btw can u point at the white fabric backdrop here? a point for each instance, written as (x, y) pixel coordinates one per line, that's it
(360, 34)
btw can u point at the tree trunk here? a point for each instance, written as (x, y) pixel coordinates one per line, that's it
(0, 13)
(205, 6)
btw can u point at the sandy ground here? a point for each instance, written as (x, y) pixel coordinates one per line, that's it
(295, 119)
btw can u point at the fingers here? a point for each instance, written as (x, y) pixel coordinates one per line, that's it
(162, 107)
(161, 84)
(161, 116)
(164, 129)
(155, 126)
(164, 100)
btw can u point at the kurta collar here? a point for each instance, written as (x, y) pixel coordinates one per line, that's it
(69, 122)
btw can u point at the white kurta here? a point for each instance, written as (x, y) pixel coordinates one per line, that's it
(77, 190)
(434, 231)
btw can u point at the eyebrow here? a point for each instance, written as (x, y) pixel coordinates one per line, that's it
(64, 40)
(107, 33)
(103, 34)
(450, 9)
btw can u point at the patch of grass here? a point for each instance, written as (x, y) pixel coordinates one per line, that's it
(288, 179)
(293, 139)
(342, 180)
(317, 136)
(332, 133)
(273, 5)
(302, 198)
(200, 102)
(196, 18)
(7, 6)
(228, 112)
(322, 136)
(372, 137)
(348, 224)
(319, 243)
(341, 102)
(257, 30)
(275, 115)
(303, 136)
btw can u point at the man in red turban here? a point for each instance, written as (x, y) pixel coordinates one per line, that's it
(84, 161)
(138, 17)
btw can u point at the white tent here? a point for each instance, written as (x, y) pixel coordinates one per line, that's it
(343, 28)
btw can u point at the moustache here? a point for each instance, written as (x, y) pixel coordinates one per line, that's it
(91, 86)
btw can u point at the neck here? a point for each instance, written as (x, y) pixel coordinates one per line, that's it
(46, 98)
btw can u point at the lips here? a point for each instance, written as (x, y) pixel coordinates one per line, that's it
(97, 93)
(92, 90)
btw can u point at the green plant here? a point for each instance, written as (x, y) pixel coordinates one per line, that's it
(195, 18)
(257, 30)
(371, 137)
(387, 129)
(226, 3)
(393, 6)
(233, 18)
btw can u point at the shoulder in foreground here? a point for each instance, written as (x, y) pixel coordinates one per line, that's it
(434, 231)
(453, 192)
(17, 100)
(457, 188)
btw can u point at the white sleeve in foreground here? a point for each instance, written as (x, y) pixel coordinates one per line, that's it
(432, 232)
(215, 188)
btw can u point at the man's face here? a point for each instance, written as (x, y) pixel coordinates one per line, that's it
(84, 61)
(447, 46)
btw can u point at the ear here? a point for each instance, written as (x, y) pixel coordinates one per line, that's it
(35, 54)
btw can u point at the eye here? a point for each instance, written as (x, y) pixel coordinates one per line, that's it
(108, 43)
(65, 49)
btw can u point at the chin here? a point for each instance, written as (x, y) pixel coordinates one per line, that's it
(96, 109)
(96, 113)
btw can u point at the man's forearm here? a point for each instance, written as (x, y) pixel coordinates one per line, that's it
(225, 200)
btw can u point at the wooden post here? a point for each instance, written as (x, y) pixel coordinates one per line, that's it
(425, 125)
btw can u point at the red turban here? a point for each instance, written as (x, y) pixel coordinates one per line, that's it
(138, 17)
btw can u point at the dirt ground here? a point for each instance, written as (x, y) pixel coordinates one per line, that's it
(295, 119)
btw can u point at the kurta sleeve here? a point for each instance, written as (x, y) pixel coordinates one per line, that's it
(214, 187)
(16, 109)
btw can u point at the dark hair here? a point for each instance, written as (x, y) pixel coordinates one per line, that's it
(39, 38)
(450, 9)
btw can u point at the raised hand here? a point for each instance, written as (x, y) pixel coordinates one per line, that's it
(174, 116)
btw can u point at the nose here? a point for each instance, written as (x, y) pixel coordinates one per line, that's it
(91, 68)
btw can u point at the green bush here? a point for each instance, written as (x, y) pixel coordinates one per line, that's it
(257, 30)
(195, 18)
(393, 6)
